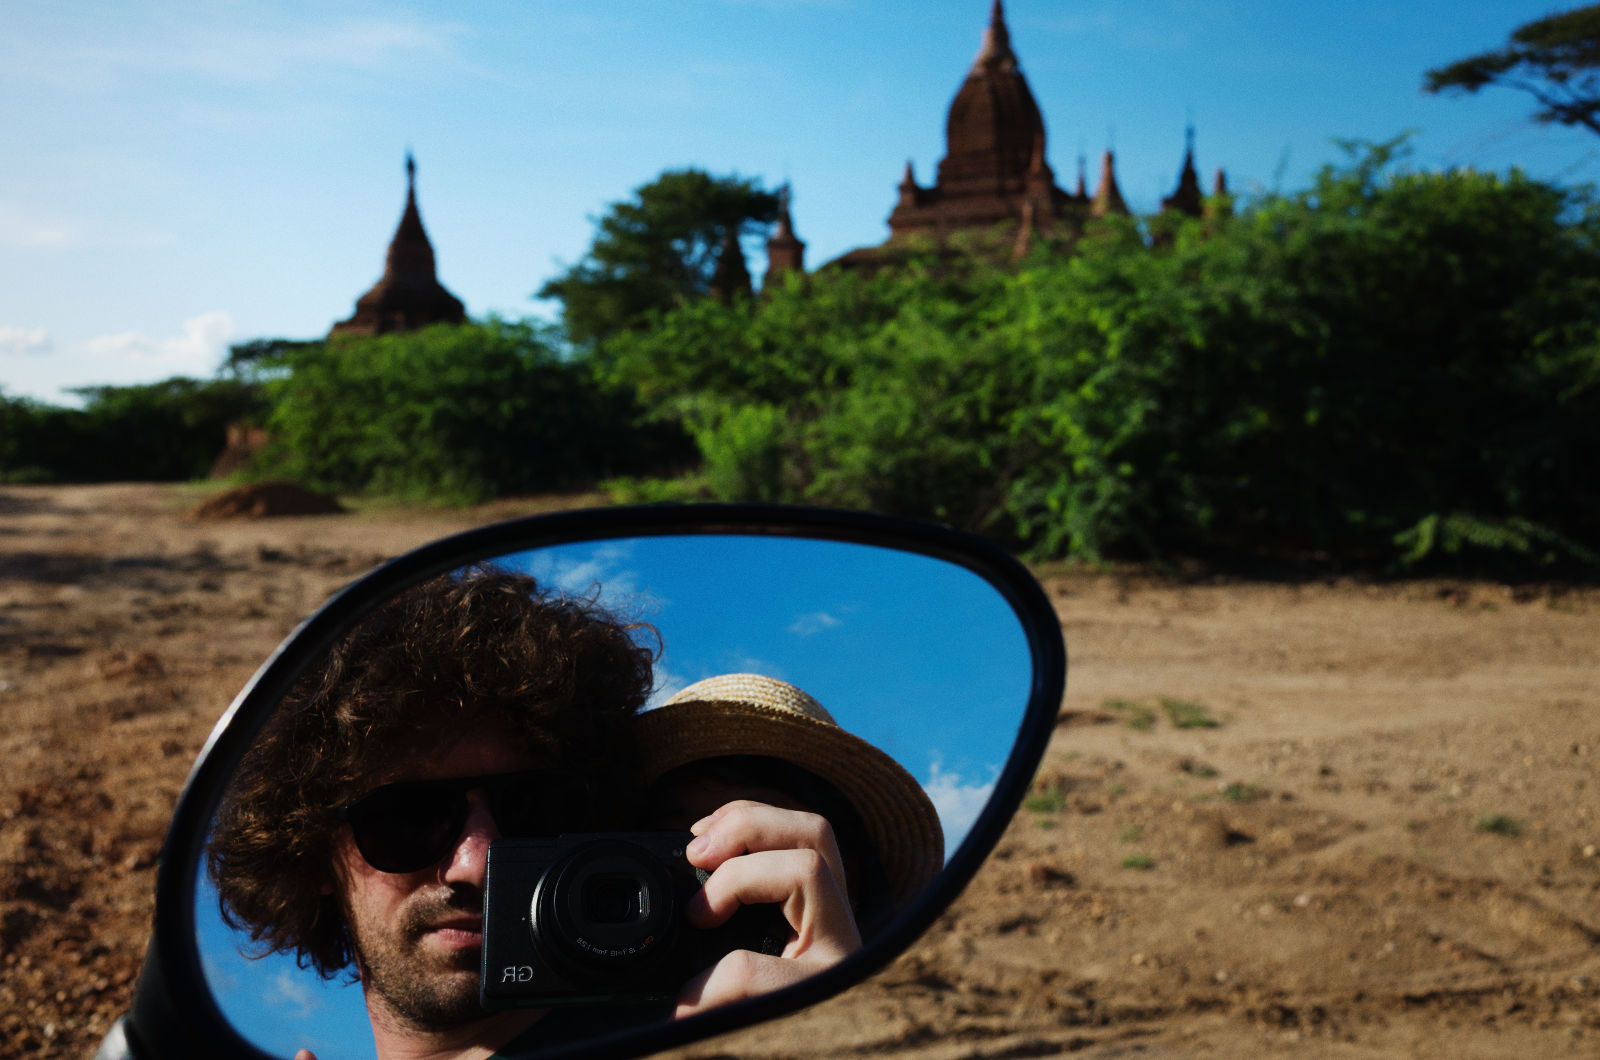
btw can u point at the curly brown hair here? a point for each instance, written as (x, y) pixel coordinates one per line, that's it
(559, 675)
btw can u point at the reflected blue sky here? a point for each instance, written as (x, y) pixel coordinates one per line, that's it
(915, 655)
(919, 657)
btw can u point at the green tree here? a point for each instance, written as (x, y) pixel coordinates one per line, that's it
(451, 413)
(1385, 365)
(259, 359)
(656, 250)
(164, 431)
(1556, 59)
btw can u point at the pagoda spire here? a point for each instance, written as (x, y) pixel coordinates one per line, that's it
(1108, 197)
(409, 295)
(1187, 198)
(910, 190)
(994, 53)
(410, 256)
(1220, 203)
(785, 250)
(731, 278)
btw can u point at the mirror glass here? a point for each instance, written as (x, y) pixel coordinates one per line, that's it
(919, 657)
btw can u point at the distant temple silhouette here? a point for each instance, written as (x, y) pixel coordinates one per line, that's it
(993, 186)
(785, 251)
(993, 193)
(409, 295)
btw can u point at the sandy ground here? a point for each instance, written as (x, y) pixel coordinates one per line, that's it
(1334, 819)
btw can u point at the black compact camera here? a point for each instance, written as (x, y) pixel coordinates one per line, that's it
(598, 918)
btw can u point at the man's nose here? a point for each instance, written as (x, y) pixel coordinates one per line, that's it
(469, 858)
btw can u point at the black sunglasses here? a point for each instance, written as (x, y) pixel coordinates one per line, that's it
(410, 825)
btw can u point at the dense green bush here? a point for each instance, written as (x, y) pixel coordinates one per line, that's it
(1390, 365)
(1384, 364)
(165, 431)
(450, 414)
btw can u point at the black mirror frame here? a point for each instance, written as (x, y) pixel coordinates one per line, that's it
(173, 1015)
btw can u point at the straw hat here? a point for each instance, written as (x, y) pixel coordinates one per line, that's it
(750, 714)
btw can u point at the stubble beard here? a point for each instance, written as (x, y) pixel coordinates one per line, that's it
(424, 989)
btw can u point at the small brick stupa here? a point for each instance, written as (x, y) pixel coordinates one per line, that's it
(409, 296)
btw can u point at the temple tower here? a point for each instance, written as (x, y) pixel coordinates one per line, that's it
(1108, 197)
(994, 152)
(1187, 198)
(731, 278)
(785, 251)
(409, 295)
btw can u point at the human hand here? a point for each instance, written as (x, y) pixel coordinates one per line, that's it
(758, 853)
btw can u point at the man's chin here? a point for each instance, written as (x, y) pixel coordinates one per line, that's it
(450, 1001)
(438, 989)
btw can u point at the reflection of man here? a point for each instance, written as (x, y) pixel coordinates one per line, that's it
(355, 833)
(470, 708)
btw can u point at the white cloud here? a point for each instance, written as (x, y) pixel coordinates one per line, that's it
(606, 571)
(668, 684)
(197, 352)
(22, 342)
(957, 801)
(269, 53)
(24, 230)
(604, 568)
(291, 995)
(219, 974)
(812, 624)
(232, 44)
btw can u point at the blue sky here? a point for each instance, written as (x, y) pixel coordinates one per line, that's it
(182, 175)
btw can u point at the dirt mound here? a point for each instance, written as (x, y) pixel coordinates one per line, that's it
(264, 500)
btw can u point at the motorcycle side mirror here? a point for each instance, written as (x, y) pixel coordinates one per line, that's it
(936, 651)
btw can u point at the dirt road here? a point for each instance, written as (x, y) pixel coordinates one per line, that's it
(1342, 820)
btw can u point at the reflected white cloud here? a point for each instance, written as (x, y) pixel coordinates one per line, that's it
(812, 624)
(668, 684)
(219, 975)
(606, 572)
(291, 995)
(957, 801)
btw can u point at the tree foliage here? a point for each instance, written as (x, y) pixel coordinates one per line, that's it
(1556, 59)
(656, 250)
(452, 413)
(1327, 370)
(167, 431)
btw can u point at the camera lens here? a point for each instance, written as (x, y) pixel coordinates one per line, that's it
(615, 899)
(607, 905)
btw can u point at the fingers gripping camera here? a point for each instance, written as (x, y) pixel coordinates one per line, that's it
(599, 919)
